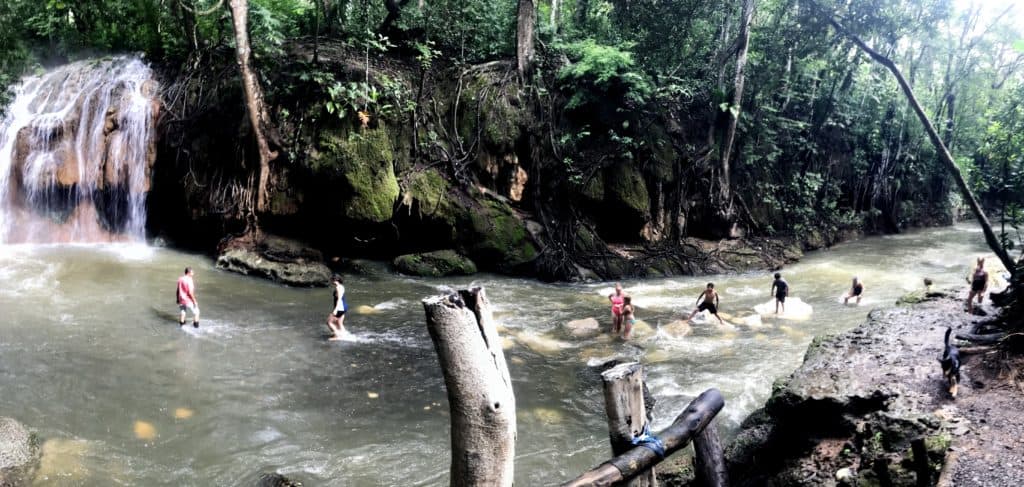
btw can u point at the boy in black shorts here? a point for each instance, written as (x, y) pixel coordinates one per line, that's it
(708, 300)
(780, 288)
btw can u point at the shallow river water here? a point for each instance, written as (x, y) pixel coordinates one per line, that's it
(92, 360)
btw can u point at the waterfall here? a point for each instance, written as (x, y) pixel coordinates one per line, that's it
(76, 147)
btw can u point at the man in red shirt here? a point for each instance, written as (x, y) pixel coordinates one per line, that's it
(187, 298)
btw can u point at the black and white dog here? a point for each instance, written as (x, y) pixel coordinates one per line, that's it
(951, 364)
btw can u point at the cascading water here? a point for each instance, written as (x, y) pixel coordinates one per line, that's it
(76, 147)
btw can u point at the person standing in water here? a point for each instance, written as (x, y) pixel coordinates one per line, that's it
(979, 284)
(617, 298)
(628, 316)
(780, 288)
(187, 301)
(856, 291)
(708, 300)
(336, 320)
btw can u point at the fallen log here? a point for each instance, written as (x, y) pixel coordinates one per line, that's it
(483, 407)
(986, 339)
(697, 415)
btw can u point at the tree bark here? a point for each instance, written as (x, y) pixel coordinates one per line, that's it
(944, 155)
(746, 16)
(258, 116)
(525, 25)
(483, 407)
(554, 16)
(627, 415)
(697, 415)
(394, 8)
(709, 459)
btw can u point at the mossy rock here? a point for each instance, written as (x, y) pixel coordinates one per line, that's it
(493, 111)
(592, 189)
(439, 263)
(429, 191)
(625, 187)
(498, 237)
(663, 155)
(365, 160)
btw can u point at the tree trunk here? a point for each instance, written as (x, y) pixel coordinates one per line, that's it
(582, 13)
(258, 116)
(709, 459)
(483, 407)
(554, 16)
(525, 25)
(944, 155)
(746, 16)
(627, 416)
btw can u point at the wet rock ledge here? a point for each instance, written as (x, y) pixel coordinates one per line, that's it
(866, 407)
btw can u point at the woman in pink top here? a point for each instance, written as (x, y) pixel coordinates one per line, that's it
(617, 298)
(187, 298)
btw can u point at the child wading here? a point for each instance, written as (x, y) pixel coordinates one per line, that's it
(628, 317)
(780, 288)
(856, 291)
(708, 300)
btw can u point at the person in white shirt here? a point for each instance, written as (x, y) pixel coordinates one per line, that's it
(336, 320)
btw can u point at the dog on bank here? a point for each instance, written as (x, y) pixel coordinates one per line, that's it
(951, 364)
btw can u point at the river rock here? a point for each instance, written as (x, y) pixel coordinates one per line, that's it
(273, 479)
(281, 260)
(19, 455)
(439, 263)
(677, 328)
(583, 328)
(858, 401)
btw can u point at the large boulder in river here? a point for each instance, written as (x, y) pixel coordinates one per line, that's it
(278, 259)
(584, 327)
(439, 263)
(18, 453)
(364, 160)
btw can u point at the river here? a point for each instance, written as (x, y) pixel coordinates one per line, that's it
(91, 359)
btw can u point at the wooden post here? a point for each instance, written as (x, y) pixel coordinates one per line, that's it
(627, 416)
(709, 460)
(696, 417)
(483, 407)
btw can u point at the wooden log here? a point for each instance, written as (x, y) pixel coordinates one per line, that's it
(709, 459)
(483, 407)
(921, 465)
(697, 415)
(627, 415)
(982, 339)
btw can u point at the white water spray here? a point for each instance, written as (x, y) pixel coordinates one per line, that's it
(76, 147)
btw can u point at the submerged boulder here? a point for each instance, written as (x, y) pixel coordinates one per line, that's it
(439, 263)
(278, 259)
(18, 453)
(584, 327)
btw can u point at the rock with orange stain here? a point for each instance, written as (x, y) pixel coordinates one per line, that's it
(144, 430)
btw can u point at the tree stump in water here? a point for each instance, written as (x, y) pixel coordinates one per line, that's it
(483, 407)
(627, 416)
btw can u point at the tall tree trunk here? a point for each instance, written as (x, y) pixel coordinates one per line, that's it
(258, 116)
(525, 25)
(582, 13)
(723, 48)
(944, 155)
(725, 188)
(394, 8)
(554, 16)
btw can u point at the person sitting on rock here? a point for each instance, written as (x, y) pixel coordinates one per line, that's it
(708, 300)
(856, 291)
(336, 320)
(617, 299)
(979, 285)
(780, 288)
(628, 317)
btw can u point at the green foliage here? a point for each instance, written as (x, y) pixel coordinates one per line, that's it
(600, 73)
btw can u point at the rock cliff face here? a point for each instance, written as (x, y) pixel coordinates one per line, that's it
(76, 148)
(481, 169)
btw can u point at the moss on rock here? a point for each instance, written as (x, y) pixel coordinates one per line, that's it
(625, 187)
(498, 236)
(365, 160)
(439, 263)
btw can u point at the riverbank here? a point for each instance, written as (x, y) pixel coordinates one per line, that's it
(870, 407)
